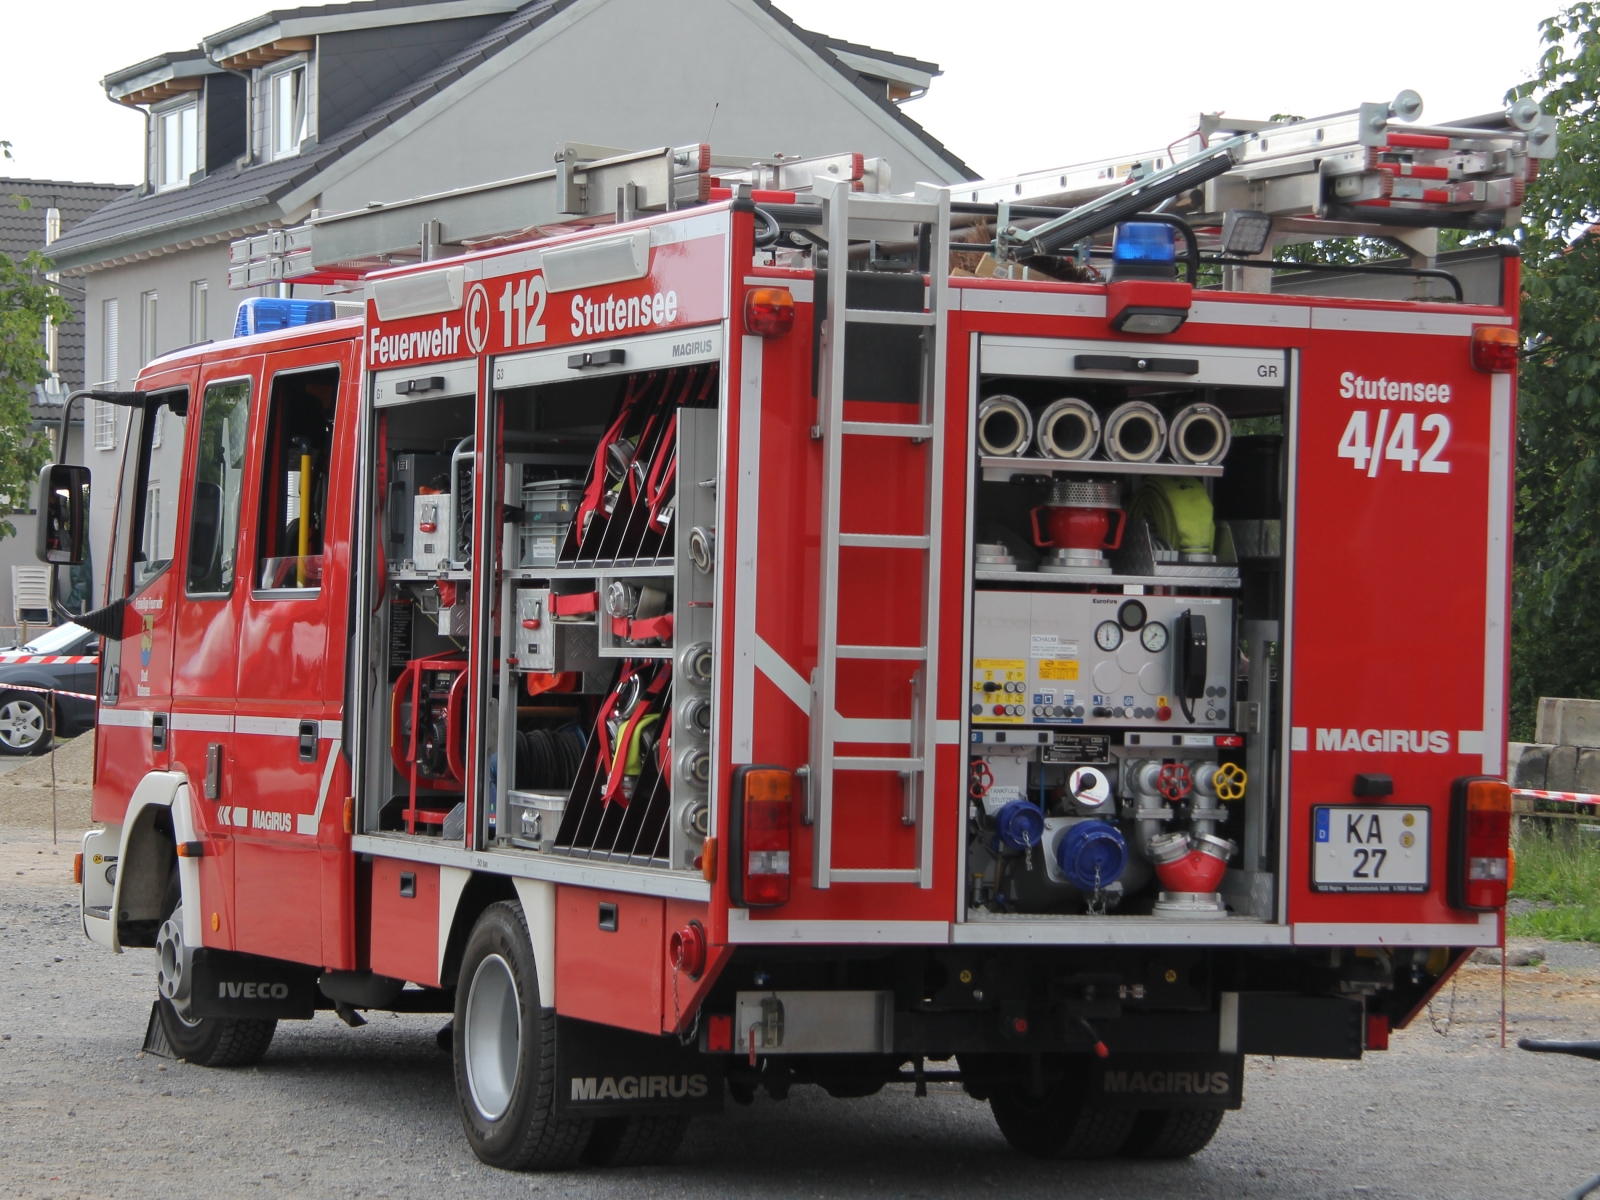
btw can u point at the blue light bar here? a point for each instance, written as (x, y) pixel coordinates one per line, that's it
(1145, 242)
(264, 314)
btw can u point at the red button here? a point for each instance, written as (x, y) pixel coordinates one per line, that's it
(1164, 713)
(999, 710)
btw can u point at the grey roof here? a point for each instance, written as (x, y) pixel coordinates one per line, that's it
(22, 230)
(231, 199)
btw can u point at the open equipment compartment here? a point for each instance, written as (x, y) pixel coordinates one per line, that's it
(603, 689)
(1123, 711)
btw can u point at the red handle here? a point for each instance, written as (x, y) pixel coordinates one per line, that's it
(1033, 519)
(1114, 540)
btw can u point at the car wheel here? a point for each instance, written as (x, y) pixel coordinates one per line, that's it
(23, 726)
(204, 1041)
(505, 1052)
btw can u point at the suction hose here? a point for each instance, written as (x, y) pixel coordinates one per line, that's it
(1005, 427)
(1199, 435)
(1135, 432)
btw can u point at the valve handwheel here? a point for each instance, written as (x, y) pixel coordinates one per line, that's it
(1173, 782)
(1230, 781)
(981, 779)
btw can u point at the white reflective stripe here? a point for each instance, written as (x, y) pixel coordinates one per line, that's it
(742, 929)
(788, 681)
(1271, 316)
(1495, 631)
(132, 718)
(948, 733)
(1370, 320)
(1333, 933)
(744, 561)
(1228, 1023)
(269, 726)
(332, 731)
(308, 823)
(203, 722)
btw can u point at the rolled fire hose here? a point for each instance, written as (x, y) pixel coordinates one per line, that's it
(1179, 511)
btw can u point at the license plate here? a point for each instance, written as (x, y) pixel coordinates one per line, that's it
(1369, 849)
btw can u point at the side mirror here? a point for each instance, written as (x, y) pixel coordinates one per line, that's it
(63, 537)
(205, 531)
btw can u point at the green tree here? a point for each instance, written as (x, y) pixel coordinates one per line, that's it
(27, 299)
(1556, 574)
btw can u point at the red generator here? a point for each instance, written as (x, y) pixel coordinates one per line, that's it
(785, 632)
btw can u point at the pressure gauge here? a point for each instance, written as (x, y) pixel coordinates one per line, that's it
(1108, 635)
(1153, 637)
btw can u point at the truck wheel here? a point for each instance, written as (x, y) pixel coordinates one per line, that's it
(204, 1041)
(23, 729)
(634, 1141)
(1056, 1125)
(1172, 1133)
(505, 1052)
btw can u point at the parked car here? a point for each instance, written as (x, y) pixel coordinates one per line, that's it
(66, 659)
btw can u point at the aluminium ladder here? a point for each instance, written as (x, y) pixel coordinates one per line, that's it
(930, 208)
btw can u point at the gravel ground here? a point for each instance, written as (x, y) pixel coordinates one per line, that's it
(371, 1112)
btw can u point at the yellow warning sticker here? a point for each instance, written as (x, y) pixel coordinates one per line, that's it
(1058, 668)
(1005, 670)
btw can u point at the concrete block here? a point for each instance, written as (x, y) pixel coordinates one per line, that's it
(1530, 769)
(1561, 772)
(1568, 722)
(1588, 770)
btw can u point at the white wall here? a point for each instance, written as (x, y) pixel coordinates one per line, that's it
(635, 73)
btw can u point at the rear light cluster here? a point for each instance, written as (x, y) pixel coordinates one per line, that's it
(759, 836)
(769, 311)
(1494, 348)
(1480, 844)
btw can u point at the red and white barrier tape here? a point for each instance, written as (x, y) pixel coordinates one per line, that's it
(1569, 797)
(21, 687)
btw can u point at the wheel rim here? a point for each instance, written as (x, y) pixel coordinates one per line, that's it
(172, 966)
(21, 724)
(492, 1037)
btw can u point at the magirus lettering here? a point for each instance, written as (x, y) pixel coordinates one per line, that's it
(1385, 741)
(240, 990)
(1167, 1083)
(639, 1087)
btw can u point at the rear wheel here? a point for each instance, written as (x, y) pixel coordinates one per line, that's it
(505, 1052)
(24, 728)
(1172, 1133)
(634, 1141)
(204, 1041)
(1056, 1124)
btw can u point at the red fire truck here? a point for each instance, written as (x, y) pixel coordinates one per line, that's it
(777, 631)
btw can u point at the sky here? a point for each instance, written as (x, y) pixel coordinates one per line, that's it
(1027, 85)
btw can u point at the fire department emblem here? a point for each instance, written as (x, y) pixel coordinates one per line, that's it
(146, 640)
(477, 321)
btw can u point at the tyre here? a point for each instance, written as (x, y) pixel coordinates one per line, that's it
(504, 1047)
(24, 725)
(1172, 1133)
(634, 1141)
(1057, 1125)
(204, 1041)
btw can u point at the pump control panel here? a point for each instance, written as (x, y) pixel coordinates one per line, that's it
(1042, 658)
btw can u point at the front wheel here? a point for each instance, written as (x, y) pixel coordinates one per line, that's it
(504, 1048)
(204, 1041)
(24, 728)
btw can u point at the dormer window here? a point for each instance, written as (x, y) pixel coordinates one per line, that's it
(177, 144)
(289, 122)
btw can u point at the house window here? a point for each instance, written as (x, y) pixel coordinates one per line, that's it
(197, 312)
(105, 425)
(177, 145)
(147, 327)
(289, 120)
(108, 345)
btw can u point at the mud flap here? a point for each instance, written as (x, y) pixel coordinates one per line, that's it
(1166, 1081)
(155, 1035)
(229, 984)
(604, 1071)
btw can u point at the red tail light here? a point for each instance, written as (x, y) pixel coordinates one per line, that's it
(759, 836)
(1480, 844)
(769, 311)
(1494, 348)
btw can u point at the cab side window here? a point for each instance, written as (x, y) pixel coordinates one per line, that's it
(160, 474)
(218, 485)
(294, 479)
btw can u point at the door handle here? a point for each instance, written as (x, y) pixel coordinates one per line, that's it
(309, 732)
(158, 731)
(214, 771)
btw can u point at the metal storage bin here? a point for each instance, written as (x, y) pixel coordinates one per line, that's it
(534, 818)
(548, 509)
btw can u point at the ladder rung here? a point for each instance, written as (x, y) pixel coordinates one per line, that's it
(863, 209)
(882, 652)
(883, 316)
(885, 541)
(869, 875)
(877, 764)
(885, 429)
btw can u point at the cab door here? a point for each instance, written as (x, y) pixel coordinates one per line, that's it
(133, 735)
(207, 598)
(287, 731)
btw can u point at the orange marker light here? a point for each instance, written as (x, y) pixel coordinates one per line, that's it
(769, 311)
(77, 868)
(1495, 348)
